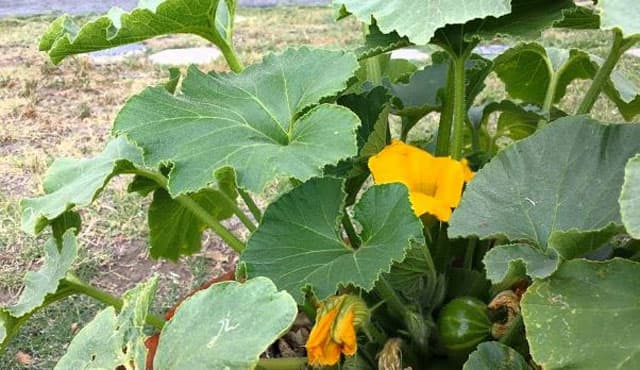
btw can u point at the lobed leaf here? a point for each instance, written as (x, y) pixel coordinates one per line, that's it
(418, 21)
(76, 182)
(264, 123)
(565, 315)
(226, 326)
(38, 285)
(519, 259)
(111, 340)
(299, 242)
(557, 189)
(495, 355)
(630, 197)
(210, 19)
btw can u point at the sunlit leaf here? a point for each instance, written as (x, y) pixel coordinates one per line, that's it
(585, 316)
(111, 340)
(630, 197)
(419, 20)
(210, 19)
(75, 183)
(45, 281)
(226, 326)
(554, 188)
(265, 123)
(299, 242)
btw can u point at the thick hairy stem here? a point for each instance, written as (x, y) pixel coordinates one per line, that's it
(79, 286)
(459, 107)
(193, 206)
(446, 117)
(253, 207)
(618, 48)
(197, 210)
(231, 57)
(350, 230)
(246, 221)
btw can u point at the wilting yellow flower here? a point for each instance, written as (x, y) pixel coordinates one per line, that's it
(435, 183)
(335, 330)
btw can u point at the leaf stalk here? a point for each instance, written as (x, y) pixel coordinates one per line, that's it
(618, 47)
(80, 286)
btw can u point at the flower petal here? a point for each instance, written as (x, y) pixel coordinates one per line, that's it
(425, 204)
(321, 349)
(345, 334)
(450, 181)
(399, 162)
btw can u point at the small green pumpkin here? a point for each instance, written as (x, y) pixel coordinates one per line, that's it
(463, 324)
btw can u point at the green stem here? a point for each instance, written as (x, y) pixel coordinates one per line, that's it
(391, 298)
(459, 106)
(197, 210)
(284, 363)
(193, 206)
(468, 256)
(350, 230)
(231, 57)
(618, 48)
(79, 286)
(253, 207)
(446, 117)
(513, 331)
(246, 221)
(550, 95)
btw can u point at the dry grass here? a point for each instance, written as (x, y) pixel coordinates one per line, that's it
(48, 112)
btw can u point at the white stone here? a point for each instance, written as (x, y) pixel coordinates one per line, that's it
(118, 54)
(634, 52)
(186, 56)
(410, 54)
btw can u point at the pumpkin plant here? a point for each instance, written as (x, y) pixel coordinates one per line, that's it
(508, 240)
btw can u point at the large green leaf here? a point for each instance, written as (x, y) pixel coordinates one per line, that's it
(211, 19)
(621, 14)
(299, 242)
(630, 197)
(529, 70)
(264, 123)
(174, 230)
(76, 182)
(519, 259)
(560, 185)
(453, 22)
(226, 326)
(585, 316)
(493, 356)
(419, 20)
(111, 340)
(37, 285)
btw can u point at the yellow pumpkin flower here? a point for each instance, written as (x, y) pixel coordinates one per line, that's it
(334, 332)
(435, 183)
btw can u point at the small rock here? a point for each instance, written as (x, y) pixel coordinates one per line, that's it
(634, 52)
(490, 51)
(23, 358)
(204, 55)
(118, 54)
(410, 54)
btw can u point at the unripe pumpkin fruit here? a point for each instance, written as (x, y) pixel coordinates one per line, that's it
(463, 324)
